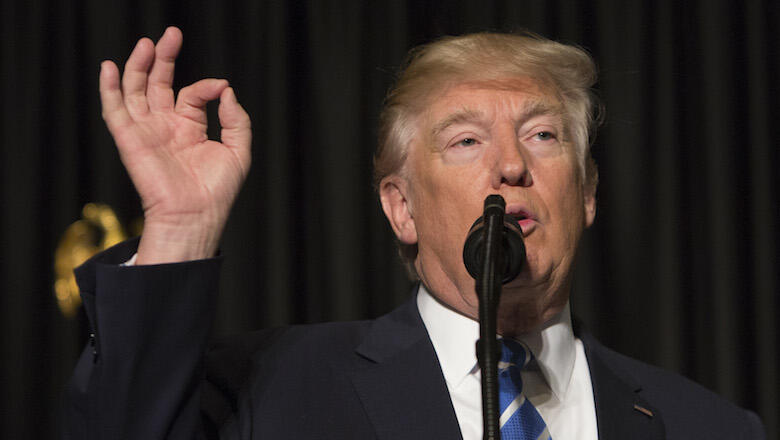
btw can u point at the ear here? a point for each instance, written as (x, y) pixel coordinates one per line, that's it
(393, 191)
(590, 208)
(589, 191)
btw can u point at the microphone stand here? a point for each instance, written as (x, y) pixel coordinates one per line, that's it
(488, 286)
(494, 254)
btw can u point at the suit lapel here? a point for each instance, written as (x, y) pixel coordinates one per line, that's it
(401, 386)
(621, 412)
(400, 382)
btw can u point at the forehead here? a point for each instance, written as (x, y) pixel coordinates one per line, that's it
(514, 98)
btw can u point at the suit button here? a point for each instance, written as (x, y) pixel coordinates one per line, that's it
(94, 347)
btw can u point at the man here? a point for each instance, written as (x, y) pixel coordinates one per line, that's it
(470, 116)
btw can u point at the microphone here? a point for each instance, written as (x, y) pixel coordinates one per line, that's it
(511, 242)
(494, 248)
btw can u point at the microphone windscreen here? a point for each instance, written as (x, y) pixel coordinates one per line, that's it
(512, 243)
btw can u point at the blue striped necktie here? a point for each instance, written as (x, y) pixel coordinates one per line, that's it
(519, 419)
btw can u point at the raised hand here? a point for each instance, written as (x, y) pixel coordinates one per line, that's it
(187, 182)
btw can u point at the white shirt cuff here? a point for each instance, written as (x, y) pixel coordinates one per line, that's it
(131, 261)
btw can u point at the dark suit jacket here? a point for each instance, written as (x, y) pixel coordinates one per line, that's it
(145, 376)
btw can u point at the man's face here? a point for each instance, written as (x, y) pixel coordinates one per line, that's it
(476, 140)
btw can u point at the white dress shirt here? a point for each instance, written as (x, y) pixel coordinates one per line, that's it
(557, 383)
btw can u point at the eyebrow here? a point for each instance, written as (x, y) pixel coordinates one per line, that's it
(460, 116)
(538, 108)
(529, 110)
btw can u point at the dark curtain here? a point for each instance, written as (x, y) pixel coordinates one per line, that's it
(679, 269)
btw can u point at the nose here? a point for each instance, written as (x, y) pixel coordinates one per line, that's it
(511, 166)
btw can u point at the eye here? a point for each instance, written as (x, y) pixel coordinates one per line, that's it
(467, 142)
(544, 136)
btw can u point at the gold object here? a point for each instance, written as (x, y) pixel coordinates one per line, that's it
(98, 230)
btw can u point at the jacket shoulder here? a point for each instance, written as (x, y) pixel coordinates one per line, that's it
(688, 409)
(232, 361)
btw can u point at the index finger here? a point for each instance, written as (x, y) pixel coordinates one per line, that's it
(113, 106)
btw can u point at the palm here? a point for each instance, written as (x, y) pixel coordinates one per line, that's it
(183, 178)
(176, 168)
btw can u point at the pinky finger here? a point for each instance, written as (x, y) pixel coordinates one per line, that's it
(113, 107)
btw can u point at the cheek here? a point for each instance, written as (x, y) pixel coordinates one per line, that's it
(446, 191)
(565, 201)
(444, 218)
(443, 213)
(573, 217)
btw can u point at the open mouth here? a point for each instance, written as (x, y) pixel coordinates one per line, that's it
(521, 216)
(525, 219)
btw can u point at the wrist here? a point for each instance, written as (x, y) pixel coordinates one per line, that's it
(171, 243)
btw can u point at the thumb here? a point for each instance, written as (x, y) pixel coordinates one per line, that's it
(236, 125)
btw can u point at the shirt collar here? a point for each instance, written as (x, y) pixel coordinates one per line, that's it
(454, 337)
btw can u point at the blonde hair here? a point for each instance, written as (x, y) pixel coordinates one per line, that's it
(567, 71)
